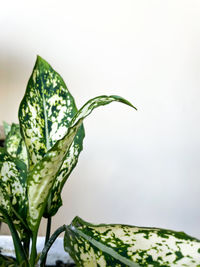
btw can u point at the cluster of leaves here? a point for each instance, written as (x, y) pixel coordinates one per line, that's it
(39, 154)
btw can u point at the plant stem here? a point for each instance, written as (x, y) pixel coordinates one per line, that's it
(26, 245)
(19, 250)
(48, 231)
(33, 249)
(49, 244)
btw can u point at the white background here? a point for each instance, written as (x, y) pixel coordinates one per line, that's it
(139, 168)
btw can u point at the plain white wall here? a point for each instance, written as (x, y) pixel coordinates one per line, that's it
(140, 168)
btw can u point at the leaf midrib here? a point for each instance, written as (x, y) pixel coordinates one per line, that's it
(45, 120)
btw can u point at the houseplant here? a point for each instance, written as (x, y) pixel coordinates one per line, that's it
(40, 153)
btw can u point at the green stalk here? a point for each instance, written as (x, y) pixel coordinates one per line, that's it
(33, 249)
(48, 232)
(19, 250)
(26, 245)
(49, 244)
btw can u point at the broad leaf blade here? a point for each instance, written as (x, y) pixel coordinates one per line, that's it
(42, 178)
(90, 245)
(15, 145)
(45, 111)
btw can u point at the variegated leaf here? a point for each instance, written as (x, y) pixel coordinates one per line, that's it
(15, 144)
(6, 127)
(45, 111)
(96, 102)
(13, 194)
(41, 179)
(13, 181)
(4, 203)
(123, 245)
(68, 165)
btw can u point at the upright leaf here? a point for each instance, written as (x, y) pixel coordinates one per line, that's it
(41, 179)
(123, 245)
(15, 144)
(45, 111)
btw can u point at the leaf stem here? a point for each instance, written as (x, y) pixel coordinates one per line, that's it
(49, 244)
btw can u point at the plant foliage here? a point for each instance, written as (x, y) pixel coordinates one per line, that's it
(125, 245)
(39, 154)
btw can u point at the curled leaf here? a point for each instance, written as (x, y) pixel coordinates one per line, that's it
(44, 174)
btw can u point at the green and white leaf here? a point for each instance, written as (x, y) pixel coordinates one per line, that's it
(15, 144)
(13, 181)
(68, 165)
(124, 245)
(4, 203)
(41, 179)
(45, 111)
(13, 194)
(96, 102)
(45, 114)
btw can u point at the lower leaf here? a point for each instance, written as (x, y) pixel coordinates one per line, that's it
(13, 198)
(123, 245)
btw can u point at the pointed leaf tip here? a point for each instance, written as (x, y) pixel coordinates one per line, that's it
(123, 100)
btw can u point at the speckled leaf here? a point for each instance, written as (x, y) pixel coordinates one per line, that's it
(6, 127)
(4, 203)
(41, 179)
(71, 159)
(45, 111)
(15, 144)
(96, 102)
(13, 196)
(123, 245)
